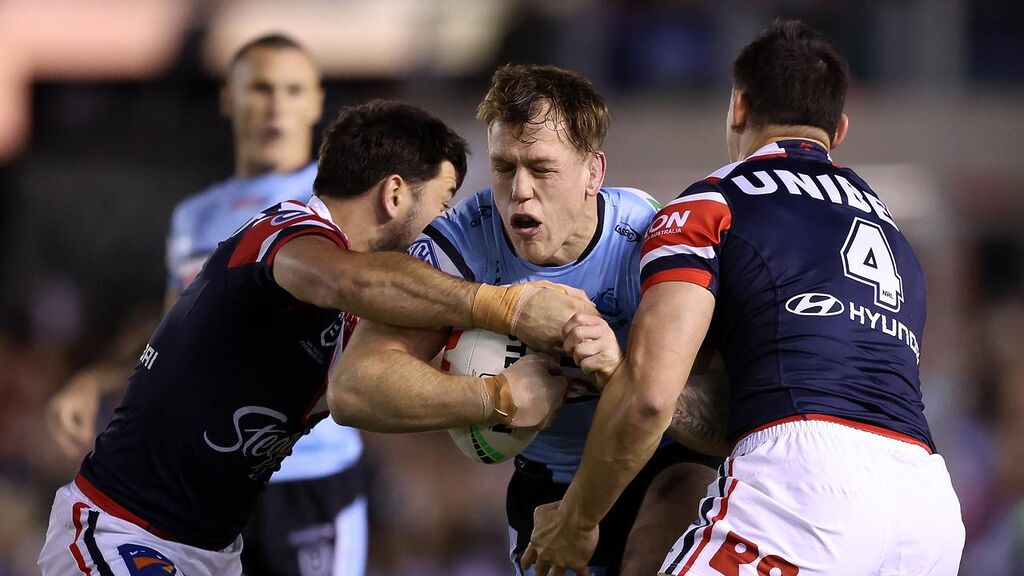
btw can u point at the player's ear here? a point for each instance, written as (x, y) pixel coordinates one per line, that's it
(391, 194)
(597, 163)
(740, 107)
(841, 129)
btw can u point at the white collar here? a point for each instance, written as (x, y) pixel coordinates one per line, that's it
(320, 208)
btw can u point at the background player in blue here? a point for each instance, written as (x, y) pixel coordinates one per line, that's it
(273, 98)
(237, 370)
(547, 217)
(798, 273)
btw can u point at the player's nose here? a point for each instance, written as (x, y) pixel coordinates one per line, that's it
(522, 186)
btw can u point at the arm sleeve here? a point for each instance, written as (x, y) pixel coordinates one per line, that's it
(685, 239)
(252, 258)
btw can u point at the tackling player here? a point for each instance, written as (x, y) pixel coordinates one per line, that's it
(273, 98)
(547, 217)
(799, 274)
(236, 371)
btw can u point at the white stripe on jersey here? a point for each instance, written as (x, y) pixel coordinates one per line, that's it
(706, 252)
(267, 244)
(295, 207)
(713, 196)
(723, 171)
(768, 150)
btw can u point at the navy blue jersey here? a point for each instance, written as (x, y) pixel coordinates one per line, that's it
(232, 378)
(820, 301)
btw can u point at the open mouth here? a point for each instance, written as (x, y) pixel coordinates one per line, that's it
(524, 224)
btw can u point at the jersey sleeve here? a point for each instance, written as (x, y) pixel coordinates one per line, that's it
(441, 246)
(684, 241)
(261, 241)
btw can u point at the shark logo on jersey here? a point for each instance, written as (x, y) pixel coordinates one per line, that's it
(144, 561)
(423, 249)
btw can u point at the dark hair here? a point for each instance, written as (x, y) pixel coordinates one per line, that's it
(369, 142)
(276, 41)
(793, 75)
(519, 93)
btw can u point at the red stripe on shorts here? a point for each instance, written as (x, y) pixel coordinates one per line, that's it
(707, 531)
(76, 512)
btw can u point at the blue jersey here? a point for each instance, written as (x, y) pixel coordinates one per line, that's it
(470, 241)
(820, 301)
(199, 224)
(233, 376)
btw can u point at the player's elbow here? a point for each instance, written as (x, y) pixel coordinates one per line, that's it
(344, 399)
(648, 407)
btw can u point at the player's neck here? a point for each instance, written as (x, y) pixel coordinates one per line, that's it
(775, 133)
(355, 219)
(581, 238)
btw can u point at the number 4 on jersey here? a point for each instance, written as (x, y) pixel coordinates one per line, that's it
(868, 259)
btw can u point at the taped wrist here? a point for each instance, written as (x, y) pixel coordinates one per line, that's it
(496, 308)
(498, 404)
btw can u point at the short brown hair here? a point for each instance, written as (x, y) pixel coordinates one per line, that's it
(519, 93)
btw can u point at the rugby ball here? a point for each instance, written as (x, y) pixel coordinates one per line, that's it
(485, 353)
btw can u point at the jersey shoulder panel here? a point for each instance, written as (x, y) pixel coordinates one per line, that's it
(632, 210)
(685, 239)
(456, 242)
(260, 239)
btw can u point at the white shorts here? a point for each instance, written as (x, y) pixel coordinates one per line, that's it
(83, 539)
(819, 498)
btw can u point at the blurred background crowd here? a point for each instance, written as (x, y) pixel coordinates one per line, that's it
(108, 117)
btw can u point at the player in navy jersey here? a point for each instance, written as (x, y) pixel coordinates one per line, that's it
(795, 269)
(236, 372)
(273, 97)
(547, 217)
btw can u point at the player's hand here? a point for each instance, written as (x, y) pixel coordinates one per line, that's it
(71, 414)
(557, 544)
(593, 346)
(538, 389)
(546, 311)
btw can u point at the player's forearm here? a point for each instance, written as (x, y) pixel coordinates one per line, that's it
(627, 428)
(393, 288)
(391, 391)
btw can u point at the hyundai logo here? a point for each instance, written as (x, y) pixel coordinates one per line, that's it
(814, 304)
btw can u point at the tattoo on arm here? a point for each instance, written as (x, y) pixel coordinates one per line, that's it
(701, 414)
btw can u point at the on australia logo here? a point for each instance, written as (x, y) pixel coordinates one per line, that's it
(424, 250)
(814, 304)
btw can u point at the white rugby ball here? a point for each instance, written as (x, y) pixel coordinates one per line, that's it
(485, 353)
